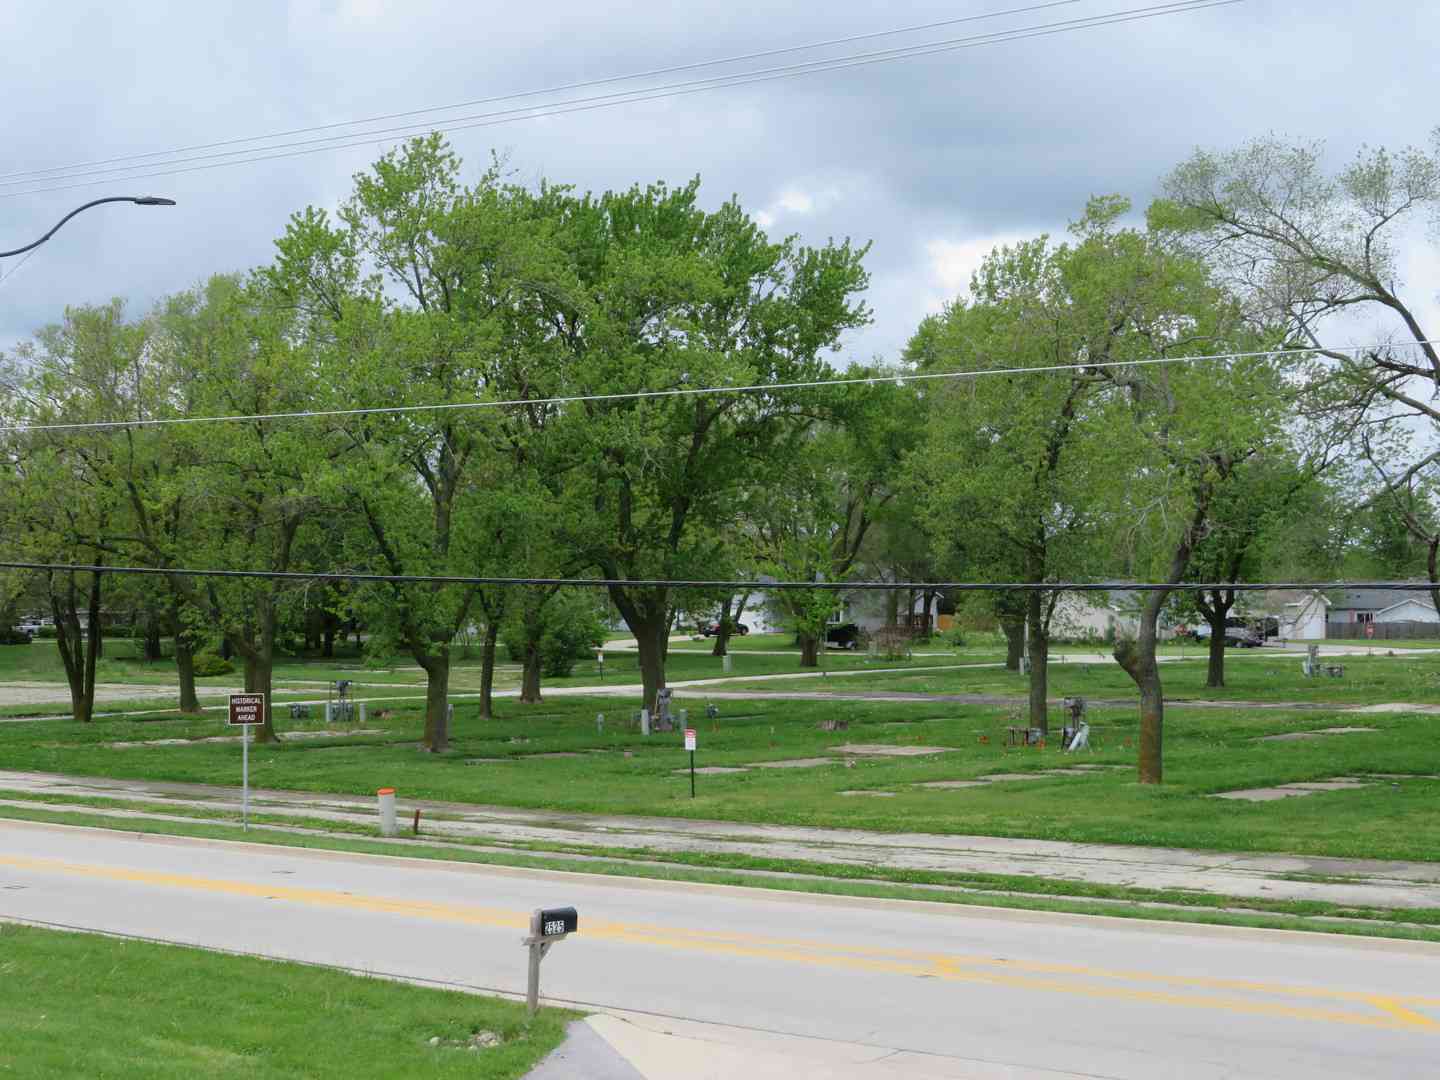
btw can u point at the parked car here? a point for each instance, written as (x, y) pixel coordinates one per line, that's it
(843, 636)
(712, 628)
(1242, 637)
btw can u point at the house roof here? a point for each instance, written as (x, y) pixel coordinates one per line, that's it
(1365, 599)
(1409, 598)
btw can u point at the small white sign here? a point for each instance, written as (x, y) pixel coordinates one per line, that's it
(689, 738)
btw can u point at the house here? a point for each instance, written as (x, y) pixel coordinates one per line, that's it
(1306, 619)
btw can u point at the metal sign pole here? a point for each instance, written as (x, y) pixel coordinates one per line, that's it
(245, 778)
(692, 774)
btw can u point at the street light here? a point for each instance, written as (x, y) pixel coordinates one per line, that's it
(138, 200)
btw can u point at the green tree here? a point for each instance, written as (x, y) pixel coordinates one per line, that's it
(657, 294)
(1310, 250)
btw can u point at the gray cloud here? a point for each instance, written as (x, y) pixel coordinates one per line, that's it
(932, 159)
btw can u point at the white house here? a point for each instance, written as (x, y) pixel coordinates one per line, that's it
(1305, 619)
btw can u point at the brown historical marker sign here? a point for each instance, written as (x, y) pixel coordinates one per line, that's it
(247, 709)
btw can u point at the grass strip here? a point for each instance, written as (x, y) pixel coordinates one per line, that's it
(96, 1006)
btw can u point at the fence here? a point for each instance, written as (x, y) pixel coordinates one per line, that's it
(1384, 631)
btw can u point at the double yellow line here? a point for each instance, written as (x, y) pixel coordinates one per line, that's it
(1390, 1012)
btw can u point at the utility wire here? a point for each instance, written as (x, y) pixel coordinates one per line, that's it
(35, 174)
(341, 142)
(682, 583)
(900, 378)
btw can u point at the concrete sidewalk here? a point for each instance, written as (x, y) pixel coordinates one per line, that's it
(1397, 885)
(615, 1045)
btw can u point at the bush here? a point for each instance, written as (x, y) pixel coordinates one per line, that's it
(208, 664)
(9, 636)
(47, 632)
(956, 637)
(572, 630)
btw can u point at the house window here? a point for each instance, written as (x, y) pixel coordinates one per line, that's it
(1364, 616)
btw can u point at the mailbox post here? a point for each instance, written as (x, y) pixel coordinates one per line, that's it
(547, 926)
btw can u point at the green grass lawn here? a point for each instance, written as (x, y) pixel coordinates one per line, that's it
(86, 1005)
(1206, 751)
(1249, 676)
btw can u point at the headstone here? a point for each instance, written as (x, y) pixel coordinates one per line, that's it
(725, 664)
(1311, 666)
(644, 721)
(600, 723)
(663, 720)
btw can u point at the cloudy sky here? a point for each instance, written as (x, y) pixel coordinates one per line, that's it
(934, 159)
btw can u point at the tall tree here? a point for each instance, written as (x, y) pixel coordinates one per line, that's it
(1314, 250)
(660, 294)
(1012, 465)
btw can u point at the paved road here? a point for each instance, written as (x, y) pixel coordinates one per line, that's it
(923, 990)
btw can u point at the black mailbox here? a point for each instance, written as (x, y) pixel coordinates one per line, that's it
(556, 922)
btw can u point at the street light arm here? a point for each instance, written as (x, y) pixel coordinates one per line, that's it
(138, 200)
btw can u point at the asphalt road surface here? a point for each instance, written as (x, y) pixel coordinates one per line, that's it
(952, 991)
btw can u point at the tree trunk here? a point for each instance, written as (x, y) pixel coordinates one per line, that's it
(259, 674)
(185, 669)
(1014, 628)
(650, 647)
(437, 698)
(809, 650)
(892, 608)
(647, 614)
(1039, 657)
(1215, 674)
(79, 649)
(327, 637)
(1138, 659)
(487, 671)
(530, 679)
(152, 647)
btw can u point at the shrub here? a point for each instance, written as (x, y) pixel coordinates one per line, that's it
(47, 632)
(956, 637)
(9, 636)
(208, 664)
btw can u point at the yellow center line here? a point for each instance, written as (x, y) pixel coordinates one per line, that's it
(1389, 1011)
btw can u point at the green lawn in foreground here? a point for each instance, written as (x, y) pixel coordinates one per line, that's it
(1206, 751)
(85, 1005)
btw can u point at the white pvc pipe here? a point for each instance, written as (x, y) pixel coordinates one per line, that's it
(386, 797)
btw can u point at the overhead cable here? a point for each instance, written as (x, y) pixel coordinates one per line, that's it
(44, 173)
(347, 141)
(680, 391)
(688, 583)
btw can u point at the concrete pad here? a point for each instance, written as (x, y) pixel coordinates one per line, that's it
(947, 784)
(485, 760)
(554, 754)
(886, 750)
(662, 1048)
(1263, 794)
(584, 1055)
(1327, 785)
(1395, 707)
(709, 770)
(796, 763)
(1291, 736)
(1002, 776)
(871, 794)
(285, 736)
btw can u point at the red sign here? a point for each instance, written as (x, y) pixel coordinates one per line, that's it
(689, 738)
(247, 709)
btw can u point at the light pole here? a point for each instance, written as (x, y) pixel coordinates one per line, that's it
(138, 200)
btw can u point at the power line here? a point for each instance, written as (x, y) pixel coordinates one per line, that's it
(684, 583)
(342, 142)
(683, 391)
(6, 178)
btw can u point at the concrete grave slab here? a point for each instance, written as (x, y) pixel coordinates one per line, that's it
(947, 784)
(796, 763)
(1262, 794)
(1003, 776)
(886, 750)
(871, 794)
(1291, 736)
(709, 770)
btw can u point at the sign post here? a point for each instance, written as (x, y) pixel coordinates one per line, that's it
(690, 746)
(547, 926)
(246, 711)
